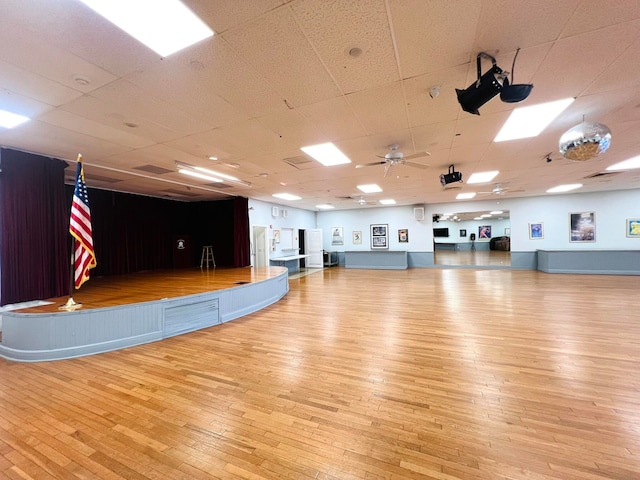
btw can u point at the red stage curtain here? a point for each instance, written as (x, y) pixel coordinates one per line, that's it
(34, 227)
(241, 252)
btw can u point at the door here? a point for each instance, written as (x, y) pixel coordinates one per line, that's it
(302, 248)
(260, 246)
(313, 244)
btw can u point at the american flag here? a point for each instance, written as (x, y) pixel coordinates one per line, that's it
(80, 229)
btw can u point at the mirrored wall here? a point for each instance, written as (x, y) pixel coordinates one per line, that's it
(481, 238)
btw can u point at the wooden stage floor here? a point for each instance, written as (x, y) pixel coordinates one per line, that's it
(156, 285)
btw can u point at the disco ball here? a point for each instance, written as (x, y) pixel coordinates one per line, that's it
(585, 141)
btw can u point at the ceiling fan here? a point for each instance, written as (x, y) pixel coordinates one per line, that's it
(396, 157)
(358, 198)
(499, 190)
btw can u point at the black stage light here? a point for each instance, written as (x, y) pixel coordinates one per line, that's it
(512, 93)
(484, 88)
(487, 86)
(450, 177)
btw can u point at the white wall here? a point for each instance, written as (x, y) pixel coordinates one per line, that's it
(420, 238)
(260, 214)
(611, 211)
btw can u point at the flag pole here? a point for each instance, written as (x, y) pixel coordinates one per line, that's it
(71, 303)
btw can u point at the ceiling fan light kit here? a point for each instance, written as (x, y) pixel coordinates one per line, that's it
(585, 141)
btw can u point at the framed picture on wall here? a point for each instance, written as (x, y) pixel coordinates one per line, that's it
(403, 235)
(536, 231)
(276, 236)
(484, 232)
(337, 237)
(356, 238)
(633, 227)
(582, 227)
(463, 232)
(379, 236)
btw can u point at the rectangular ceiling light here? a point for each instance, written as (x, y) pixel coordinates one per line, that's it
(465, 196)
(202, 176)
(325, 206)
(629, 164)
(165, 26)
(388, 201)
(369, 188)
(526, 122)
(10, 120)
(482, 177)
(286, 196)
(565, 188)
(327, 154)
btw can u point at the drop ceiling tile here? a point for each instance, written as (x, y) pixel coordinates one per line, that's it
(434, 35)
(276, 39)
(380, 109)
(330, 28)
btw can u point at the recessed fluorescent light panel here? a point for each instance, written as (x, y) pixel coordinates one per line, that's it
(388, 201)
(482, 177)
(165, 26)
(325, 206)
(286, 196)
(564, 188)
(327, 154)
(626, 165)
(496, 212)
(526, 122)
(465, 196)
(202, 176)
(369, 188)
(221, 175)
(10, 120)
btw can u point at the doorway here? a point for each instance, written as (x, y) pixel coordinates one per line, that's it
(260, 246)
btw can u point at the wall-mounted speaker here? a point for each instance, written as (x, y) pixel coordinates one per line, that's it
(274, 211)
(285, 213)
(418, 213)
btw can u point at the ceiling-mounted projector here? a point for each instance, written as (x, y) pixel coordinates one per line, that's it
(450, 177)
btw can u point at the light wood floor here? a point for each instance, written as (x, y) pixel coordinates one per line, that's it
(484, 258)
(356, 374)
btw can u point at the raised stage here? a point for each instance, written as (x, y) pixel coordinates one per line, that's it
(124, 311)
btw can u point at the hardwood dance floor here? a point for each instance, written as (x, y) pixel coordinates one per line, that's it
(356, 374)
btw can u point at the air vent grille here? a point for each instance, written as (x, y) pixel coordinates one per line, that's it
(300, 162)
(153, 169)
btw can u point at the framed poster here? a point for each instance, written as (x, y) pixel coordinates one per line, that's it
(536, 231)
(463, 232)
(356, 238)
(582, 227)
(379, 236)
(276, 236)
(633, 227)
(403, 235)
(484, 232)
(337, 237)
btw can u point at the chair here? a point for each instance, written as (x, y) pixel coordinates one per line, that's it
(207, 256)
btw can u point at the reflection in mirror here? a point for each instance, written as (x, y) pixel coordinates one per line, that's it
(472, 238)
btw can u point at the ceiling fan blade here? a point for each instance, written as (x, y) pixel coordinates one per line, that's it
(417, 155)
(417, 165)
(361, 165)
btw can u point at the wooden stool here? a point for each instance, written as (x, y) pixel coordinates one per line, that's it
(207, 256)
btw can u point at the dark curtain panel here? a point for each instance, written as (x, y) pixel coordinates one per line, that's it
(34, 228)
(241, 253)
